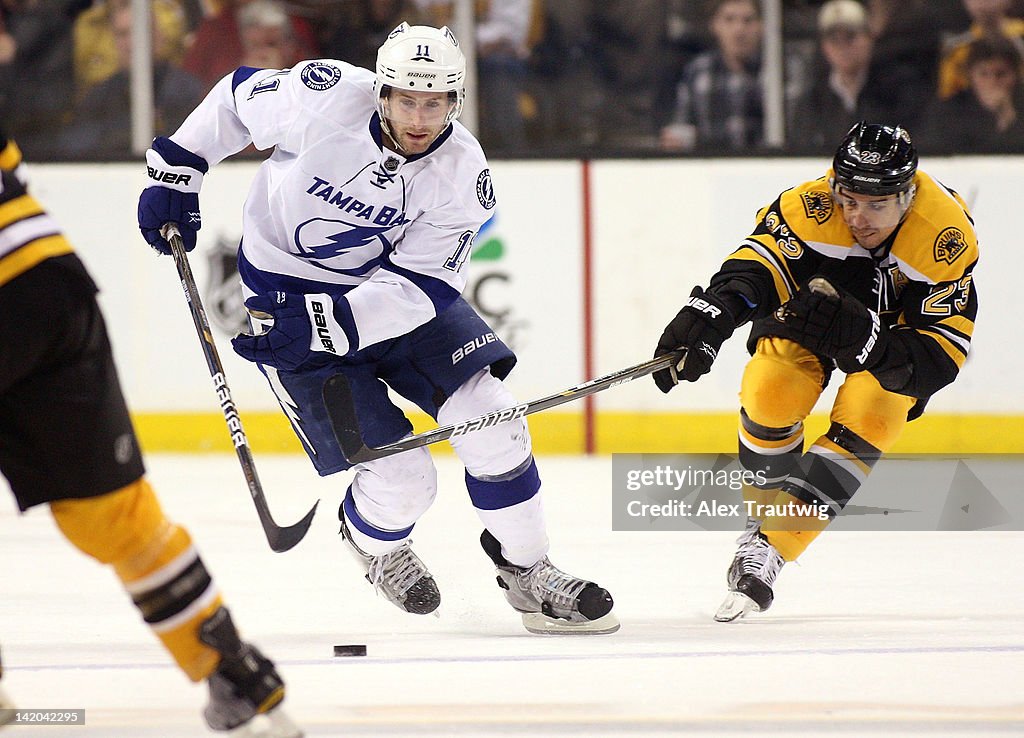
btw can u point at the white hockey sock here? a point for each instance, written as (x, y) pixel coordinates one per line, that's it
(520, 529)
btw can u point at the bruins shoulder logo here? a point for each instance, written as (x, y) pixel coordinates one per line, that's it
(817, 206)
(949, 244)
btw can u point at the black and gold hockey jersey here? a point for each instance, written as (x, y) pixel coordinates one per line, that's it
(919, 281)
(28, 235)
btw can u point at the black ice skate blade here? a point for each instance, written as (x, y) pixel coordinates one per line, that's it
(357, 649)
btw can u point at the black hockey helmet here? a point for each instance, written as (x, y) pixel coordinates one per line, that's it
(875, 159)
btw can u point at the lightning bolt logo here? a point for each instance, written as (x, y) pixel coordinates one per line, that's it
(341, 247)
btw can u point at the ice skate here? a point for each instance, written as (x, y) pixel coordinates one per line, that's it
(751, 575)
(399, 574)
(246, 691)
(549, 600)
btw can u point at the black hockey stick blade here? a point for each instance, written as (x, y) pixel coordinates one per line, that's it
(284, 538)
(280, 538)
(342, 410)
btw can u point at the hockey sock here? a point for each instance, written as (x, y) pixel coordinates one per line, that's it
(821, 485)
(386, 498)
(791, 534)
(369, 538)
(771, 454)
(781, 383)
(157, 563)
(510, 508)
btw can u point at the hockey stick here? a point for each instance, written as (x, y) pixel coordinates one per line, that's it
(342, 411)
(280, 538)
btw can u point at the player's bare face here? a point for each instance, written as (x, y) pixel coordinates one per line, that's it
(415, 119)
(871, 218)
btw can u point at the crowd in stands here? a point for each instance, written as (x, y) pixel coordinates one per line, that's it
(554, 77)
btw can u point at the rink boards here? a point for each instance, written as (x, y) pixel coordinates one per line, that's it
(581, 267)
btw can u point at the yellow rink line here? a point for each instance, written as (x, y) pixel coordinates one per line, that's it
(562, 433)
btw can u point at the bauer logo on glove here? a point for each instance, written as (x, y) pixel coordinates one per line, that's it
(171, 178)
(703, 306)
(303, 328)
(322, 331)
(172, 194)
(699, 328)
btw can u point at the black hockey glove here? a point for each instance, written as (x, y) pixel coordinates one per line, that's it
(700, 328)
(831, 322)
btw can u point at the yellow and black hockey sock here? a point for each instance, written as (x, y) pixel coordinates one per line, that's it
(770, 454)
(157, 563)
(821, 485)
(781, 383)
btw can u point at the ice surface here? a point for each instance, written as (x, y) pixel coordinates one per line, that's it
(871, 633)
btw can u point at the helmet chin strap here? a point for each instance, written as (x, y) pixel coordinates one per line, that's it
(382, 108)
(391, 137)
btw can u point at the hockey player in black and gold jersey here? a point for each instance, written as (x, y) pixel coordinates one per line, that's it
(66, 441)
(868, 270)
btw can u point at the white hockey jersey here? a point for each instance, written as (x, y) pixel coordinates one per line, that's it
(333, 206)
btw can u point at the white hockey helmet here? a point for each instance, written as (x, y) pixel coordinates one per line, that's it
(421, 59)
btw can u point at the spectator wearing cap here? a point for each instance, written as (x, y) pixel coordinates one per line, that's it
(846, 87)
(987, 117)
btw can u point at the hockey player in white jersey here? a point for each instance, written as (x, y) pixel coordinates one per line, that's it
(356, 235)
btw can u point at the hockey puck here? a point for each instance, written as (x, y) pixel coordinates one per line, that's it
(352, 650)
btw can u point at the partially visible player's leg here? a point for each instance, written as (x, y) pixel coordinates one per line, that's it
(505, 487)
(866, 421)
(156, 561)
(452, 367)
(501, 474)
(781, 383)
(92, 479)
(176, 596)
(386, 497)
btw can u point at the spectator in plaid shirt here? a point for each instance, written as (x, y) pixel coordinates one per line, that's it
(718, 101)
